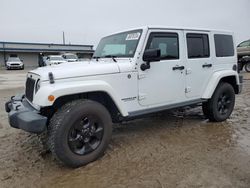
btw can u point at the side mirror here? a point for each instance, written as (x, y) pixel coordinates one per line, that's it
(150, 55)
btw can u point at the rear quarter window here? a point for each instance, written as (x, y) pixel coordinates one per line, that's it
(224, 45)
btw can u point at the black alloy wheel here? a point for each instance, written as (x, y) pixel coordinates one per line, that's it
(85, 135)
(224, 103)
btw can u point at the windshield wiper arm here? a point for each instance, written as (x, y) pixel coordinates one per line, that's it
(96, 57)
(111, 56)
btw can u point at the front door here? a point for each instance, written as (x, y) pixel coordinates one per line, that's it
(164, 82)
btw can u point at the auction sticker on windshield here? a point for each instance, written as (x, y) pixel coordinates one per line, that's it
(133, 36)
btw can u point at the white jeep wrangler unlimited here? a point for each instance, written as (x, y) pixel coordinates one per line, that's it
(132, 73)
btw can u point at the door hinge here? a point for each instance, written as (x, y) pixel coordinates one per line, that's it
(141, 76)
(141, 96)
(188, 71)
(187, 89)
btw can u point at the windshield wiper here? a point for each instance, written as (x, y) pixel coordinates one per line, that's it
(96, 57)
(111, 56)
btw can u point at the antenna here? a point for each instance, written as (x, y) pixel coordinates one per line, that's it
(63, 38)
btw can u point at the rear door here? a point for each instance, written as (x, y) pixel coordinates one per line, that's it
(199, 62)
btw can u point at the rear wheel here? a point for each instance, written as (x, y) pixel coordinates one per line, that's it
(221, 105)
(247, 67)
(79, 132)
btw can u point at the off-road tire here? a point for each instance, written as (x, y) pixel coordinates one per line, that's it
(211, 108)
(247, 67)
(62, 122)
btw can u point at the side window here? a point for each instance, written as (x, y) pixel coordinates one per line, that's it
(198, 45)
(224, 45)
(167, 42)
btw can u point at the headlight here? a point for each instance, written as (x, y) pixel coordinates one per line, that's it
(38, 84)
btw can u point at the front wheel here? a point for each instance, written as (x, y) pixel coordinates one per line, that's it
(221, 105)
(79, 132)
(247, 67)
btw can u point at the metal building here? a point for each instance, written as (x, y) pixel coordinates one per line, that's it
(28, 52)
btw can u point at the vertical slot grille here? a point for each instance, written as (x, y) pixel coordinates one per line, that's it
(29, 90)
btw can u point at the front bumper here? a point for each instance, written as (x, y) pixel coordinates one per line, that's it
(14, 67)
(23, 116)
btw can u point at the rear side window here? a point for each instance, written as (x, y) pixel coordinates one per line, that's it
(167, 42)
(224, 45)
(197, 45)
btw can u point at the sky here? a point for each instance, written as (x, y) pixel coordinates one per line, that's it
(87, 21)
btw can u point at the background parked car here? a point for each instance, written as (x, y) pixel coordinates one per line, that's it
(243, 51)
(70, 57)
(244, 62)
(54, 60)
(14, 63)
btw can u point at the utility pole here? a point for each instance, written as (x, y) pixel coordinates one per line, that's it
(4, 54)
(63, 38)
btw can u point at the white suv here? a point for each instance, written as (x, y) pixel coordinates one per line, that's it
(14, 63)
(70, 57)
(54, 60)
(132, 74)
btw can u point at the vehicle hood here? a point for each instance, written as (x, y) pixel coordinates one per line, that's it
(76, 69)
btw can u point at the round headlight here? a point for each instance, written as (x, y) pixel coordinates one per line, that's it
(38, 84)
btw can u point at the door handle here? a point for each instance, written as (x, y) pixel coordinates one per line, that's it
(178, 68)
(207, 65)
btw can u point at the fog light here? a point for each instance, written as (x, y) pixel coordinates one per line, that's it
(51, 98)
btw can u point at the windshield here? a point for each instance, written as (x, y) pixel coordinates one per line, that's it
(13, 59)
(119, 45)
(57, 58)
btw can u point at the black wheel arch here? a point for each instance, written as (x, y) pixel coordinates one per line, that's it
(98, 96)
(232, 81)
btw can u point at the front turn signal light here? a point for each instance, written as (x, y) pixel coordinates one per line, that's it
(51, 98)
